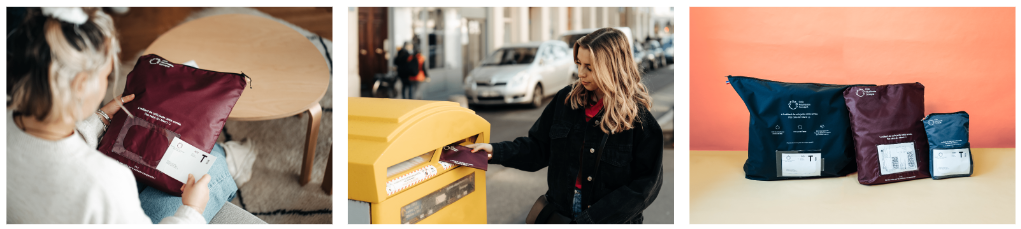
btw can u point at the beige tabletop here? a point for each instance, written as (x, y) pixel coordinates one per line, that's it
(288, 73)
(721, 194)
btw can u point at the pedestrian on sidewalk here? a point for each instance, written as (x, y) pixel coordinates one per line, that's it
(410, 69)
(603, 147)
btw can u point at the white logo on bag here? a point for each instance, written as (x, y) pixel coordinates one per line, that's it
(794, 104)
(865, 91)
(161, 62)
(935, 121)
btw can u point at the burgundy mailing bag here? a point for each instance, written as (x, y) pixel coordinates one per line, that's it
(889, 138)
(171, 100)
(463, 156)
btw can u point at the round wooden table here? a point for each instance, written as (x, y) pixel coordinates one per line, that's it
(289, 75)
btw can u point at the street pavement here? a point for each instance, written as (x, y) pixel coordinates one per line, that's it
(512, 192)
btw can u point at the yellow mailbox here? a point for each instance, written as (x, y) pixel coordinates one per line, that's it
(394, 172)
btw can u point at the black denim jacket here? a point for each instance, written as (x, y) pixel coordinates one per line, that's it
(629, 177)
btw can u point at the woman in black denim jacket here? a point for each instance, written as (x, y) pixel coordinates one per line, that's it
(618, 183)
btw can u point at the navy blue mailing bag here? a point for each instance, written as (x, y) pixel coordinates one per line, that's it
(949, 149)
(796, 130)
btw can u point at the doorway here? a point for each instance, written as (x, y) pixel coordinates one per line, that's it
(372, 56)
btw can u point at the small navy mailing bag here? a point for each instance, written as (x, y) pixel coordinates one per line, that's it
(796, 130)
(949, 149)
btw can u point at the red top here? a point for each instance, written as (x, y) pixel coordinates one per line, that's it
(590, 111)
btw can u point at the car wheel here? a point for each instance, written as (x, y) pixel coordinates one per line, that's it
(537, 97)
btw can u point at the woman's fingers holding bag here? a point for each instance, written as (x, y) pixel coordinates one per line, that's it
(191, 179)
(111, 107)
(204, 181)
(196, 193)
(482, 146)
(475, 147)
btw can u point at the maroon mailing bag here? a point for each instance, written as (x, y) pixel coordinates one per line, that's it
(889, 138)
(171, 100)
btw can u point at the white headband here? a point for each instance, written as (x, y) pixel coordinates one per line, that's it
(73, 15)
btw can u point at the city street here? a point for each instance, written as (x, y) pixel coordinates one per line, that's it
(512, 192)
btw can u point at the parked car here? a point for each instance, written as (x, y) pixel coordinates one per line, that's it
(572, 36)
(645, 60)
(659, 57)
(668, 48)
(521, 74)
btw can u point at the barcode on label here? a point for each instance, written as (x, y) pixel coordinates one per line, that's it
(911, 159)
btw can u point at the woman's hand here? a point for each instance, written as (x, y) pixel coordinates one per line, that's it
(112, 107)
(196, 193)
(482, 146)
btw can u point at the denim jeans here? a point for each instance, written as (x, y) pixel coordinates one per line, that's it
(576, 207)
(158, 204)
(408, 88)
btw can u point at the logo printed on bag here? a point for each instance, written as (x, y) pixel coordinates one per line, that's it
(935, 121)
(462, 163)
(161, 62)
(865, 91)
(794, 105)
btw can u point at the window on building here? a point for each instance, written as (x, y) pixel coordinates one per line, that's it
(434, 30)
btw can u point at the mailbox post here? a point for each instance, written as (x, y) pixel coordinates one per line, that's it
(394, 172)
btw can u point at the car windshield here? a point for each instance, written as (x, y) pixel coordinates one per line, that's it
(507, 56)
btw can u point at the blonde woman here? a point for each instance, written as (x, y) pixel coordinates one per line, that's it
(603, 148)
(59, 62)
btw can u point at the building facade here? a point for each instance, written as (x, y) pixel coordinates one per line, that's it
(456, 39)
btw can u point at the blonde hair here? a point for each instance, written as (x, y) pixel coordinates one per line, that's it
(616, 76)
(44, 56)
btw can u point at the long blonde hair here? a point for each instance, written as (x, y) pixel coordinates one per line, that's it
(616, 75)
(44, 55)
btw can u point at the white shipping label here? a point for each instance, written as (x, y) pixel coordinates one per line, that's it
(410, 179)
(896, 158)
(445, 165)
(947, 162)
(800, 164)
(182, 159)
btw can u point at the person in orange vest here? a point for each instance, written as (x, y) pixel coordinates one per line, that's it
(422, 75)
(410, 69)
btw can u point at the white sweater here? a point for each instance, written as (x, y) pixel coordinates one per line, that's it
(69, 181)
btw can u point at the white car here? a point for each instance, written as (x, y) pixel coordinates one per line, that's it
(521, 74)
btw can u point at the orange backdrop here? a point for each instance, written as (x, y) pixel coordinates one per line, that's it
(963, 56)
